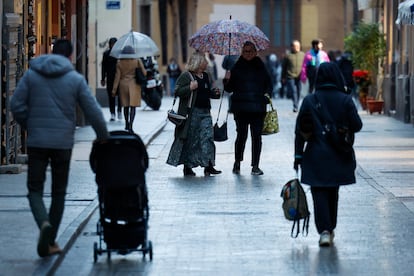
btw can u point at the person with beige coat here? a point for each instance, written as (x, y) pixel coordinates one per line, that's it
(129, 90)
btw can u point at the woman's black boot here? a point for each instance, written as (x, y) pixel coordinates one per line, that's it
(126, 116)
(210, 170)
(188, 171)
(131, 118)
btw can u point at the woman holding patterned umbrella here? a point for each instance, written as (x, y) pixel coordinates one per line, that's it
(249, 81)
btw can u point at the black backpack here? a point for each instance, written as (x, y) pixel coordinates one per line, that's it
(295, 206)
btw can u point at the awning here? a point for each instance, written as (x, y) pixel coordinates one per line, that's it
(405, 13)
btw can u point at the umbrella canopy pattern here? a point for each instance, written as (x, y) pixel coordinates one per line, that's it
(406, 13)
(227, 36)
(141, 44)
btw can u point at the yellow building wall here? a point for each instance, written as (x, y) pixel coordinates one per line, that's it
(324, 19)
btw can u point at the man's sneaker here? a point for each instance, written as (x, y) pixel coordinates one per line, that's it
(332, 236)
(112, 117)
(325, 238)
(256, 171)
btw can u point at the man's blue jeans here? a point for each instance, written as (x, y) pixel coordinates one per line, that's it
(294, 87)
(39, 159)
(172, 86)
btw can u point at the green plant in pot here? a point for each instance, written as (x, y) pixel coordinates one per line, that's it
(368, 47)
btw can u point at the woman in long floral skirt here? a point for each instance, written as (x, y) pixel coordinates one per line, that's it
(193, 144)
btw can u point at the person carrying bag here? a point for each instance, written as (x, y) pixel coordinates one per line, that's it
(193, 144)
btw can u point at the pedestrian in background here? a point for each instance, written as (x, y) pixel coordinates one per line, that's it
(107, 77)
(44, 103)
(229, 61)
(291, 69)
(323, 167)
(193, 144)
(331, 55)
(227, 65)
(345, 65)
(173, 71)
(275, 71)
(313, 58)
(212, 69)
(129, 90)
(249, 81)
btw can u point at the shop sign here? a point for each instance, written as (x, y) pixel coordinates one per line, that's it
(113, 5)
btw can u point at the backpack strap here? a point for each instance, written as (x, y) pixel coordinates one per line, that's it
(296, 223)
(305, 228)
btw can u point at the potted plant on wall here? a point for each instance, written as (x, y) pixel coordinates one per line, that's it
(368, 47)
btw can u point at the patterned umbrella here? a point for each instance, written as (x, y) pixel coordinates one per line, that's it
(227, 36)
(140, 44)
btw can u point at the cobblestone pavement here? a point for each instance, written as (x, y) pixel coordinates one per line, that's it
(234, 225)
(19, 232)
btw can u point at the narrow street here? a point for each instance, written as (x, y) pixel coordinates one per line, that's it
(234, 225)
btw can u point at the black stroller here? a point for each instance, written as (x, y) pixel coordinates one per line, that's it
(120, 166)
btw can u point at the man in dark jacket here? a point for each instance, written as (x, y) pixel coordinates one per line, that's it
(249, 81)
(108, 75)
(44, 103)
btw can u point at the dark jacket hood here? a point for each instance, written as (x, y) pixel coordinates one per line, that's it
(329, 76)
(51, 65)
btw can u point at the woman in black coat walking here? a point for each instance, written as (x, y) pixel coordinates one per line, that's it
(249, 81)
(323, 166)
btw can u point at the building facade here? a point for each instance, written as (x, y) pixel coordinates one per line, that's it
(398, 84)
(29, 28)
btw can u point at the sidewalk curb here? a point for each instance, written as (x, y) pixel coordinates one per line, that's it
(371, 181)
(72, 232)
(69, 237)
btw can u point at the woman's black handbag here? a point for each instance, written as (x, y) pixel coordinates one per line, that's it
(140, 78)
(220, 132)
(174, 117)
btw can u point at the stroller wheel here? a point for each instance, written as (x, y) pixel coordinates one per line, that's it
(98, 228)
(95, 252)
(150, 250)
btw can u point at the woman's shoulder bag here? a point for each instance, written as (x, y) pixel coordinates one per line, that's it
(173, 116)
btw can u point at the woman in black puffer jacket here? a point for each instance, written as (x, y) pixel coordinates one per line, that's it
(249, 81)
